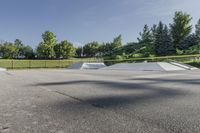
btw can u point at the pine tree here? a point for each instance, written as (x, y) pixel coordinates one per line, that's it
(145, 36)
(180, 28)
(163, 41)
(197, 30)
(146, 40)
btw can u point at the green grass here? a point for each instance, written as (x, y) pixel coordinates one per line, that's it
(193, 60)
(195, 63)
(24, 64)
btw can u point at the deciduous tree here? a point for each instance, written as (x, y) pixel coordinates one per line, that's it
(46, 48)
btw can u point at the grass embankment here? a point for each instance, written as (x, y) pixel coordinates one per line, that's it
(195, 63)
(193, 60)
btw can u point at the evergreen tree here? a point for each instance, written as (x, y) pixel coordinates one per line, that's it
(197, 30)
(153, 30)
(188, 42)
(181, 28)
(146, 40)
(145, 36)
(163, 42)
(117, 42)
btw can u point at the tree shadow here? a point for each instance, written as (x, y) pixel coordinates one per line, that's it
(155, 93)
(149, 96)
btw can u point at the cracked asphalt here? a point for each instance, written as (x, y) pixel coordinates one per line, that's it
(99, 101)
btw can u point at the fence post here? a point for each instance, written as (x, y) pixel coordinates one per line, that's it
(60, 63)
(29, 64)
(12, 64)
(45, 62)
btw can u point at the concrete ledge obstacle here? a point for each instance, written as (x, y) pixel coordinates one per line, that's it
(151, 66)
(84, 65)
(185, 66)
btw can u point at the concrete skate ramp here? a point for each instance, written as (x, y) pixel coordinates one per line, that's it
(2, 69)
(152, 66)
(84, 65)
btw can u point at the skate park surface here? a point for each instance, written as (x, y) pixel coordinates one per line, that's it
(99, 101)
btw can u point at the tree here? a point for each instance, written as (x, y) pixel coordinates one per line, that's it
(188, 42)
(146, 41)
(46, 48)
(180, 28)
(106, 49)
(91, 49)
(22, 50)
(8, 50)
(64, 49)
(28, 52)
(1, 50)
(42, 51)
(18, 44)
(145, 36)
(163, 42)
(79, 52)
(194, 49)
(153, 30)
(129, 48)
(117, 42)
(197, 30)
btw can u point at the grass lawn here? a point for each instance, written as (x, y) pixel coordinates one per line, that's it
(23, 64)
(194, 63)
(193, 60)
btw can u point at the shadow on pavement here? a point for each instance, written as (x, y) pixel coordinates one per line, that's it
(149, 92)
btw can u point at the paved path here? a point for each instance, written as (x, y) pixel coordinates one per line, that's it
(67, 101)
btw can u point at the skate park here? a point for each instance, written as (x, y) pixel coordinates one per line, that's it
(96, 97)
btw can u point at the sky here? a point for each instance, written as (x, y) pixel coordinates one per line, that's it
(83, 21)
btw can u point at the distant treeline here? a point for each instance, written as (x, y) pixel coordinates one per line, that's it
(159, 40)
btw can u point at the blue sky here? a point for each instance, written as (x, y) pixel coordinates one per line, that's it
(82, 21)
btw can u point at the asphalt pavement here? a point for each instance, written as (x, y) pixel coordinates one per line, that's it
(99, 101)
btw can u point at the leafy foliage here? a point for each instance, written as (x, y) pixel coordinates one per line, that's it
(8, 50)
(46, 48)
(91, 49)
(64, 49)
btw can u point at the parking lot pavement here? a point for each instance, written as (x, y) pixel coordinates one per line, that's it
(71, 101)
